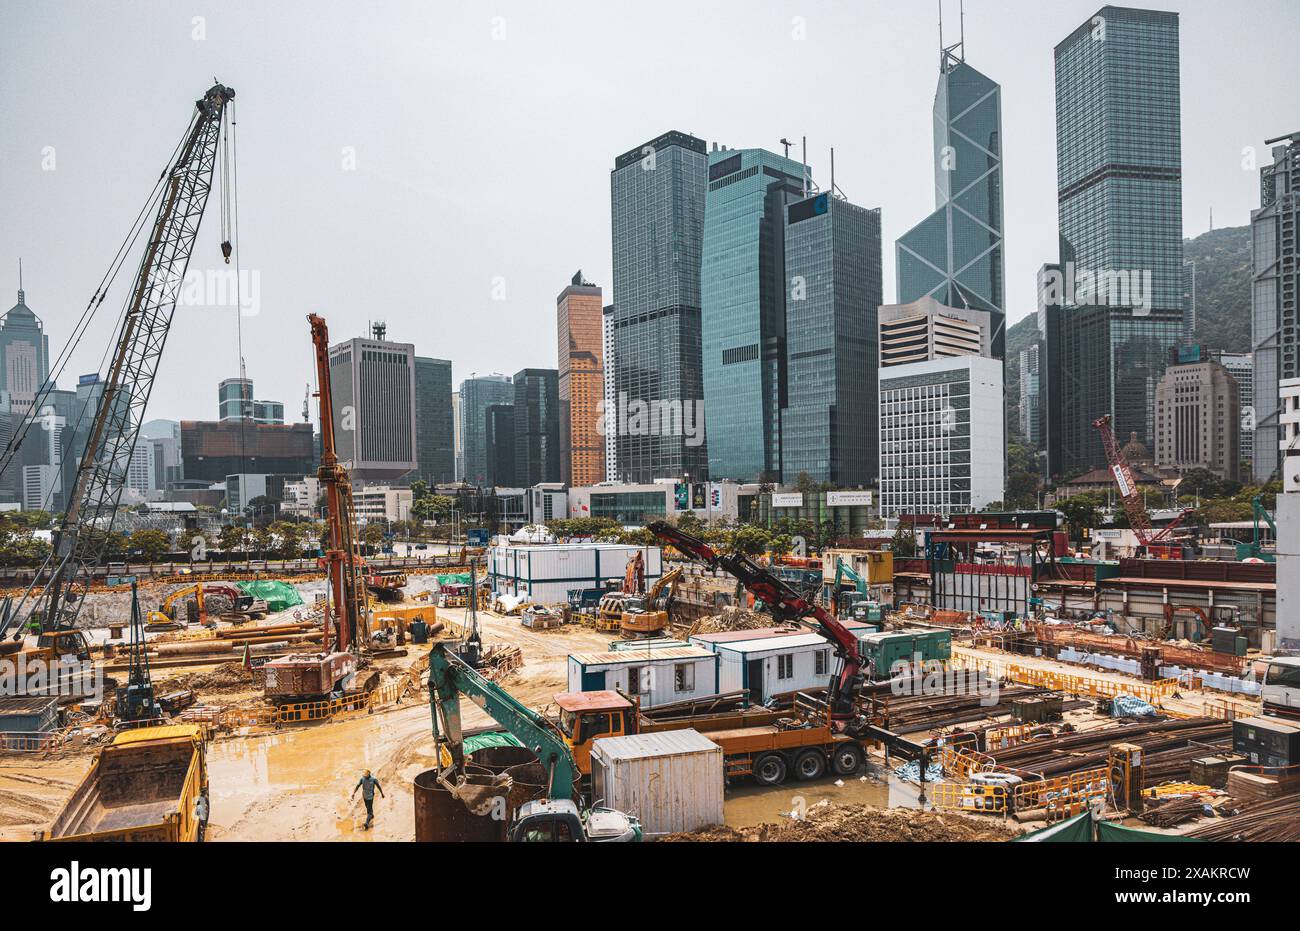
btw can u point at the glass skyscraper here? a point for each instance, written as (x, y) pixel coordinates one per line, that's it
(435, 456)
(742, 293)
(476, 395)
(1119, 180)
(955, 254)
(657, 203)
(829, 427)
(537, 427)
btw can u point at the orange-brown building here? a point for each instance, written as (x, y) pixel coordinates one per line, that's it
(578, 319)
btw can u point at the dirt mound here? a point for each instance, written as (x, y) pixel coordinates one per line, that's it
(731, 618)
(862, 823)
(228, 677)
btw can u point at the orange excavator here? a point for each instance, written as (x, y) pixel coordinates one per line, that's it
(609, 615)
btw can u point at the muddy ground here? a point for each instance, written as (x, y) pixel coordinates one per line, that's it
(829, 822)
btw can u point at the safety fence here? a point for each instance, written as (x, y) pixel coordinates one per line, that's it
(1063, 795)
(1225, 709)
(32, 741)
(1094, 686)
(1009, 735)
(961, 762)
(978, 799)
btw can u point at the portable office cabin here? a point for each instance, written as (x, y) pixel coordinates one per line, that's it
(22, 714)
(770, 661)
(663, 676)
(547, 573)
(894, 646)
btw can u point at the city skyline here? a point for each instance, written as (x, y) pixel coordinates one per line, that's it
(401, 175)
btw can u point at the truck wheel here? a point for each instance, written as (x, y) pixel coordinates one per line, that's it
(811, 764)
(769, 770)
(846, 759)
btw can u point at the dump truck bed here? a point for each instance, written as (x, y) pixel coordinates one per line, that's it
(142, 787)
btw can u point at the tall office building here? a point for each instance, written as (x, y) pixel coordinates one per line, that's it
(1189, 302)
(235, 402)
(609, 406)
(211, 450)
(435, 461)
(955, 254)
(1242, 367)
(373, 382)
(942, 446)
(1275, 317)
(1031, 420)
(926, 329)
(458, 436)
(579, 319)
(657, 201)
(500, 445)
(1198, 419)
(742, 300)
(829, 430)
(1119, 282)
(536, 427)
(24, 355)
(477, 393)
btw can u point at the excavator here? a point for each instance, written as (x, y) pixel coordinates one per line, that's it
(609, 615)
(857, 605)
(648, 615)
(558, 816)
(242, 607)
(1254, 549)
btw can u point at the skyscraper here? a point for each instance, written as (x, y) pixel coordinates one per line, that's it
(434, 429)
(536, 427)
(477, 393)
(742, 299)
(500, 445)
(955, 254)
(374, 406)
(24, 355)
(1119, 283)
(1275, 317)
(833, 290)
(579, 319)
(657, 202)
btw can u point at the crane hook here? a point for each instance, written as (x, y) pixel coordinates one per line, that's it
(225, 251)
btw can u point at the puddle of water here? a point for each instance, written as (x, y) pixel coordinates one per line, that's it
(748, 804)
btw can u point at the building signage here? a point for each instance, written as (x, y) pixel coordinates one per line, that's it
(848, 499)
(788, 500)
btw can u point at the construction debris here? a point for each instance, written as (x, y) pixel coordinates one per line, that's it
(731, 618)
(862, 823)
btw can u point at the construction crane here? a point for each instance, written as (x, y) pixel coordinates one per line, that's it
(342, 561)
(1159, 543)
(786, 605)
(83, 535)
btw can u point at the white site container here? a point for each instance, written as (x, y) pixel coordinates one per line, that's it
(546, 573)
(664, 676)
(670, 780)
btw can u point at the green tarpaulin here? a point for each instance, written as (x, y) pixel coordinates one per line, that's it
(454, 578)
(279, 596)
(1079, 829)
(490, 739)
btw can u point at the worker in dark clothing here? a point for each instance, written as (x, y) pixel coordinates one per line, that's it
(368, 784)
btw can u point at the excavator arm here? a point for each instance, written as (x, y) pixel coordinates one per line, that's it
(451, 677)
(785, 604)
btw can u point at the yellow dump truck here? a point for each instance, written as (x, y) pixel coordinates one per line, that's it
(144, 786)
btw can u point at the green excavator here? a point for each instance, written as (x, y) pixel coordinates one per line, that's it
(558, 816)
(857, 605)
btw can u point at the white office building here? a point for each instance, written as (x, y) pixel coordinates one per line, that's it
(942, 442)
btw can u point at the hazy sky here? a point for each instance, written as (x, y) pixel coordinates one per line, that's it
(484, 133)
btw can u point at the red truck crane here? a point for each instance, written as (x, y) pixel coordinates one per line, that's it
(1160, 543)
(786, 605)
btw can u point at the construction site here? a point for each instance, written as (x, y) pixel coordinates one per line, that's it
(995, 687)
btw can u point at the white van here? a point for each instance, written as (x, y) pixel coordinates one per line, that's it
(1282, 687)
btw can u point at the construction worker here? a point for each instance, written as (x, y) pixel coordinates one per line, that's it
(368, 784)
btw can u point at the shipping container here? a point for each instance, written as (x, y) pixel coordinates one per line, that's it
(670, 674)
(547, 573)
(670, 781)
(883, 650)
(21, 714)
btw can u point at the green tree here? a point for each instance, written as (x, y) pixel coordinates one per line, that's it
(904, 543)
(1081, 511)
(150, 543)
(373, 534)
(419, 489)
(232, 539)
